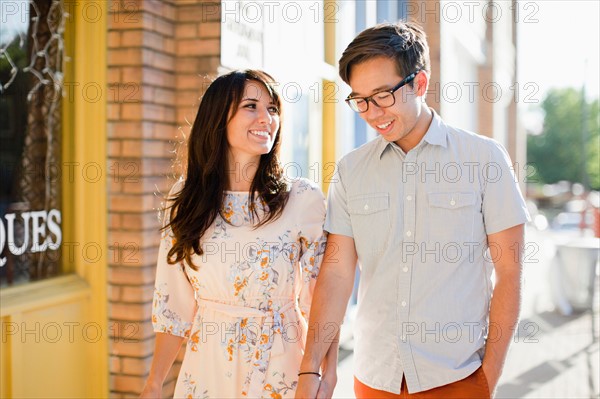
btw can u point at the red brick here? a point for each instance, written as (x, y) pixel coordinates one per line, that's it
(164, 96)
(132, 112)
(186, 31)
(148, 220)
(156, 167)
(114, 39)
(198, 12)
(150, 40)
(136, 366)
(164, 27)
(169, 46)
(137, 294)
(114, 293)
(132, 74)
(125, 56)
(132, 240)
(115, 364)
(130, 16)
(128, 129)
(114, 220)
(131, 275)
(164, 61)
(113, 75)
(188, 98)
(199, 47)
(130, 331)
(130, 311)
(132, 38)
(191, 81)
(135, 349)
(114, 148)
(113, 111)
(210, 29)
(159, 78)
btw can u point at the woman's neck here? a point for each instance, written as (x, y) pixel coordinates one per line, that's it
(241, 172)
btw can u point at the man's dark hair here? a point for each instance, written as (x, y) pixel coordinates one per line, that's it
(403, 42)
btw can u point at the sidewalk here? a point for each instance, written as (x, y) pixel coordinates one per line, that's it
(552, 356)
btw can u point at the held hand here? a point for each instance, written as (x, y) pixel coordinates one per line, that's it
(327, 385)
(492, 375)
(308, 386)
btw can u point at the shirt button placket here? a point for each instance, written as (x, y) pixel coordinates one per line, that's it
(409, 234)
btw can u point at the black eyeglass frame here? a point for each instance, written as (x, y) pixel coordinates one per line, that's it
(394, 89)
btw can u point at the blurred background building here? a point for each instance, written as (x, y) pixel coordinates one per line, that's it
(96, 101)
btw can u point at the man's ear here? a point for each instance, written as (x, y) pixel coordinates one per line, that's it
(421, 83)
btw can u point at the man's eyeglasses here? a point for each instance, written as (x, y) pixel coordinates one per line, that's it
(382, 99)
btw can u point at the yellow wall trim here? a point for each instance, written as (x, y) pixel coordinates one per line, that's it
(42, 294)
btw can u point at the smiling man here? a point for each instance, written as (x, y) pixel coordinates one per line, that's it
(429, 211)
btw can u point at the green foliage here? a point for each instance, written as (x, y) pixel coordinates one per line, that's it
(558, 153)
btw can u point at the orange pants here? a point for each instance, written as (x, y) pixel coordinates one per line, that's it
(474, 386)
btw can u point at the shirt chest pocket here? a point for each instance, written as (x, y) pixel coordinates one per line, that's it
(452, 215)
(371, 221)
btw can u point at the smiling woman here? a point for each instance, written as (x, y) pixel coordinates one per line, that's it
(240, 253)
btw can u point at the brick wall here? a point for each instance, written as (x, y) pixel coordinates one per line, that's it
(428, 17)
(159, 54)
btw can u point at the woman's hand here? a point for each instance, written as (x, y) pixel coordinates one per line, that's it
(328, 382)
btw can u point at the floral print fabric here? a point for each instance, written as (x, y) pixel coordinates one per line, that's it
(244, 310)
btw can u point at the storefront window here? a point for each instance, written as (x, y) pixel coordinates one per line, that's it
(31, 84)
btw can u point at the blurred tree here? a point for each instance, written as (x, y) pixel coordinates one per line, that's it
(557, 152)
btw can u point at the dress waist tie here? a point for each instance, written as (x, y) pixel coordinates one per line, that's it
(269, 343)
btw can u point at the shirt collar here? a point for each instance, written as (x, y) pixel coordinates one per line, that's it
(435, 135)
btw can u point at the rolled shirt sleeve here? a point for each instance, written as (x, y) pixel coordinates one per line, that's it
(338, 220)
(503, 204)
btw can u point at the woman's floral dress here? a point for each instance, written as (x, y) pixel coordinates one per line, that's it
(244, 311)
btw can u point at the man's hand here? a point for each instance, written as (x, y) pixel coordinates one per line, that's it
(308, 386)
(492, 376)
(506, 299)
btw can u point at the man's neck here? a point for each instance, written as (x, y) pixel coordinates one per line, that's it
(412, 139)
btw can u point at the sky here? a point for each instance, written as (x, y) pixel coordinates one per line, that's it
(555, 38)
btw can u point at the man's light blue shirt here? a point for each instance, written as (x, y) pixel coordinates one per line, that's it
(420, 222)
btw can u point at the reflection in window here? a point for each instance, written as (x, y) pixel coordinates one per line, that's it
(31, 81)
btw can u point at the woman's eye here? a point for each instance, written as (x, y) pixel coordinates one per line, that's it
(274, 110)
(250, 105)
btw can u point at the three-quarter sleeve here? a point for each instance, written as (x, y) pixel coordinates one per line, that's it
(312, 240)
(173, 306)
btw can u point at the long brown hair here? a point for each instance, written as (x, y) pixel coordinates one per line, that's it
(196, 206)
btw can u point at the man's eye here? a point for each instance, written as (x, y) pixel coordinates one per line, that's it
(382, 96)
(359, 101)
